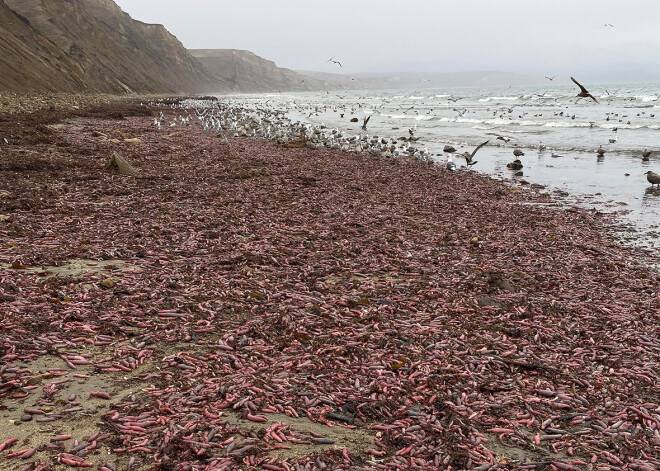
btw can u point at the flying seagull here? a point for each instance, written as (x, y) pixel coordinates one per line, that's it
(584, 93)
(550, 78)
(364, 124)
(334, 61)
(500, 138)
(468, 157)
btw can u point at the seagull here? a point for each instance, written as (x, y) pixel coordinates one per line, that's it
(609, 24)
(551, 78)
(652, 177)
(468, 157)
(5, 141)
(541, 146)
(645, 155)
(334, 61)
(364, 124)
(600, 151)
(500, 138)
(412, 130)
(518, 152)
(583, 91)
(451, 166)
(613, 141)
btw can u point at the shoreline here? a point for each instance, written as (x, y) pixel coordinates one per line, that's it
(567, 162)
(432, 318)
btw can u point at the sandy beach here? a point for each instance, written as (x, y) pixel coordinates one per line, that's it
(245, 305)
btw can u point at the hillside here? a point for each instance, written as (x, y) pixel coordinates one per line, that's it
(90, 46)
(29, 60)
(243, 71)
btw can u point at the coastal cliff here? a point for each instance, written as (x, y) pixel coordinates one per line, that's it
(91, 46)
(242, 71)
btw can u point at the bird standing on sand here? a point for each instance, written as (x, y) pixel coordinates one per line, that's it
(584, 93)
(451, 166)
(518, 152)
(652, 177)
(468, 156)
(600, 151)
(645, 155)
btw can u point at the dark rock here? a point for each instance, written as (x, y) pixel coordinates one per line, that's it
(485, 301)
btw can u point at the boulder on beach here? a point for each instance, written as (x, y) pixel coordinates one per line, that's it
(515, 165)
(118, 164)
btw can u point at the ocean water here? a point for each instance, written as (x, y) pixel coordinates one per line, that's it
(626, 122)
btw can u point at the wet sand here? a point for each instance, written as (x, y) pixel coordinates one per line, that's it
(255, 305)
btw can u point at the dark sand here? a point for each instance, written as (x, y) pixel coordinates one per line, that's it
(400, 315)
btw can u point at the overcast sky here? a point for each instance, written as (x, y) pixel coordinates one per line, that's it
(542, 37)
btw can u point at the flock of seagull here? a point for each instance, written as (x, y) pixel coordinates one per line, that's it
(270, 123)
(262, 122)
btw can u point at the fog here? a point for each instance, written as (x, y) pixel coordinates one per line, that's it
(562, 37)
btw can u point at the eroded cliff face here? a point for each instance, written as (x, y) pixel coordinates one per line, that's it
(28, 58)
(242, 71)
(91, 46)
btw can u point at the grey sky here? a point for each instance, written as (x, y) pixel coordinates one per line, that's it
(526, 36)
